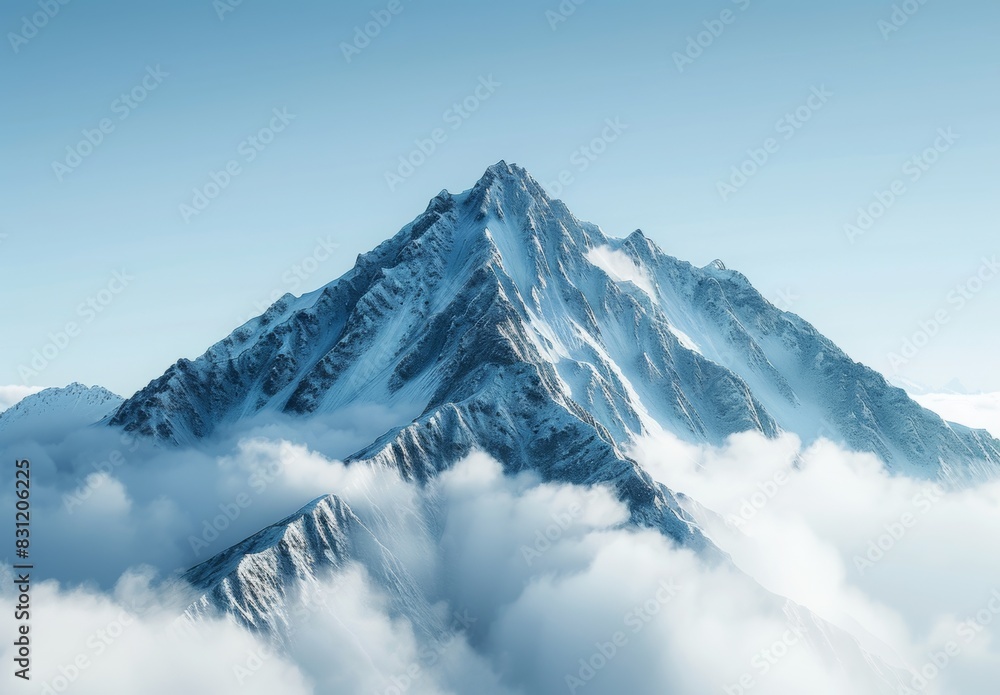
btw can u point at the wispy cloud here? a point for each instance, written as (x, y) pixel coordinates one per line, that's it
(981, 411)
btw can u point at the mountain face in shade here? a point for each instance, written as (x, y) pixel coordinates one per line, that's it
(503, 323)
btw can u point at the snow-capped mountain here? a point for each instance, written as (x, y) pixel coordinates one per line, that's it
(260, 579)
(278, 577)
(504, 323)
(499, 322)
(56, 411)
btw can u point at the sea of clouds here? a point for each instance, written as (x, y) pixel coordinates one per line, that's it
(522, 586)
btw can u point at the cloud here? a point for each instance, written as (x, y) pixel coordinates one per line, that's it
(126, 641)
(520, 585)
(557, 593)
(11, 395)
(573, 600)
(897, 562)
(358, 644)
(105, 502)
(979, 411)
(621, 268)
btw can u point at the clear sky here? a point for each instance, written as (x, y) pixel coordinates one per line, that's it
(173, 92)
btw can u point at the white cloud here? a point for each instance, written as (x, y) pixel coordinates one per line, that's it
(550, 573)
(11, 395)
(980, 411)
(85, 642)
(621, 268)
(558, 595)
(900, 563)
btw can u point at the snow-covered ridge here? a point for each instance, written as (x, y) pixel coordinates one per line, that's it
(510, 325)
(513, 328)
(261, 580)
(56, 410)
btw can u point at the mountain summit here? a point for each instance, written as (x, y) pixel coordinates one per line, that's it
(501, 322)
(496, 321)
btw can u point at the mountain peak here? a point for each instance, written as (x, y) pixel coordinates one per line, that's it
(503, 169)
(74, 395)
(55, 411)
(504, 184)
(499, 321)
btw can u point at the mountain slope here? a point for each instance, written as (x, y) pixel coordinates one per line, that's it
(275, 580)
(502, 322)
(260, 580)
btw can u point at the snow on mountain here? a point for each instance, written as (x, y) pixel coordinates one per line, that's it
(281, 575)
(56, 411)
(507, 324)
(11, 395)
(502, 323)
(260, 580)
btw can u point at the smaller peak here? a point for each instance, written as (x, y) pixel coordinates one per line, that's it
(75, 389)
(441, 202)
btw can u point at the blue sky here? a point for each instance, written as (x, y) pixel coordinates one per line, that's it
(173, 93)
